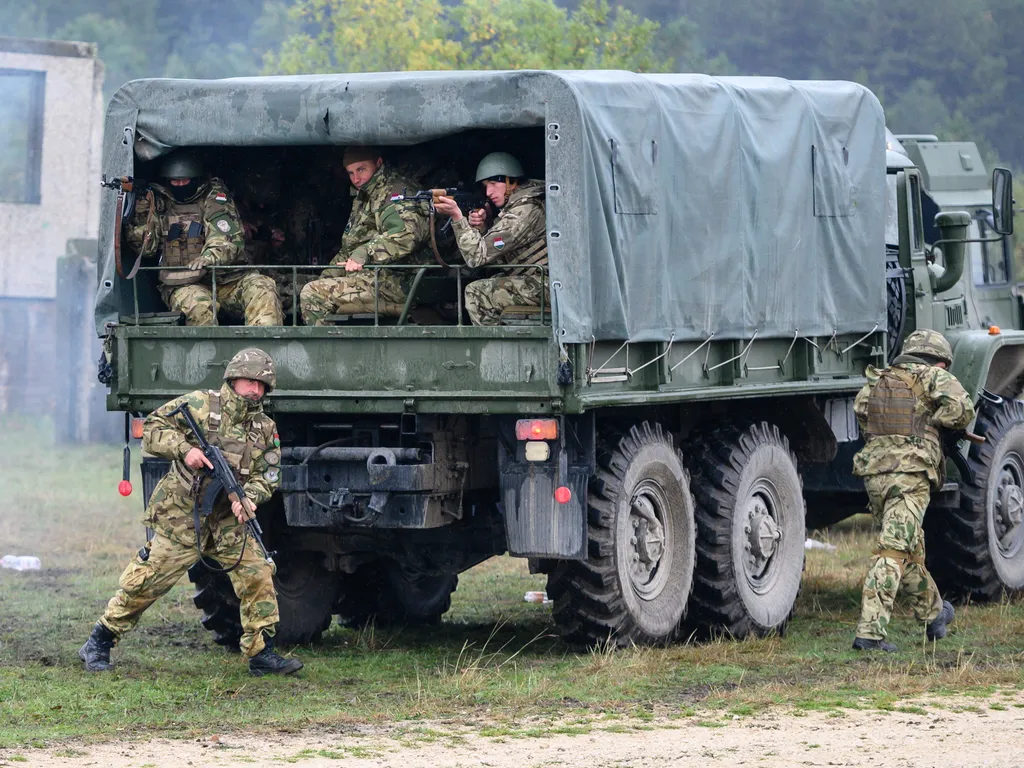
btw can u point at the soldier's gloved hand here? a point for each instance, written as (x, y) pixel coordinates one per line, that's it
(196, 459)
(243, 510)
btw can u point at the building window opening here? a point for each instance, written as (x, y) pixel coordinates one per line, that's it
(21, 124)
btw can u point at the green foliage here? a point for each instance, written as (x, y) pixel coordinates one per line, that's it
(948, 67)
(366, 36)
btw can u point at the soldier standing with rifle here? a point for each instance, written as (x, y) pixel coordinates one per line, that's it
(901, 410)
(233, 420)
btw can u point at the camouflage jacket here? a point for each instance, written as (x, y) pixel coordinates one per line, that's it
(947, 405)
(241, 422)
(223, 236)
(378, 230)
(519, 225)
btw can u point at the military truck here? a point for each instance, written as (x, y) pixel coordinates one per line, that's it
(718, 285)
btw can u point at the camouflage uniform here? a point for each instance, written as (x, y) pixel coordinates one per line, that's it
(219, 243)
(900, 411)
(520, 224)
(262, 248)
(378, 232)
(249, 440)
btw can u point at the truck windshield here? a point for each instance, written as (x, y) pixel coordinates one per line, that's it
(892, 219)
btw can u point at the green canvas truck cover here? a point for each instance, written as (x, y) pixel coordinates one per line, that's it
(678, 206)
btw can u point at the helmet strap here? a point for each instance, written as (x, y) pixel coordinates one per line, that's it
(510, 186)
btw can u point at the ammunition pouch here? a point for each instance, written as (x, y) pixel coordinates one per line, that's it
(183, 244)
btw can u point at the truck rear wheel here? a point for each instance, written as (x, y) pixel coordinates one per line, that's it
(750, 531)
(634, 586)
(306, 591)
(305, 596)
(390, 594)
(977, 551)
(215, 597)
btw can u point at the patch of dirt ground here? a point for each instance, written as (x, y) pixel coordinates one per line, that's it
(941, 732)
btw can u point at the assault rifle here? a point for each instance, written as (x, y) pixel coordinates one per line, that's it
(951, 439)
(128, 189)
(467, 200)
(223, 481)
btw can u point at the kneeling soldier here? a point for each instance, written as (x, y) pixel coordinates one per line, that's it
(233, 419)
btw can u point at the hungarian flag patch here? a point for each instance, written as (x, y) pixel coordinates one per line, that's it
(220, 197)
(498, 243)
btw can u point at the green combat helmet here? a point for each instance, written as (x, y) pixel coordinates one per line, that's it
(499, 164)
(181, 165)
(930, 343)
(252, 363)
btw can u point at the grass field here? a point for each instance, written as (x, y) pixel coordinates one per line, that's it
(494, 656)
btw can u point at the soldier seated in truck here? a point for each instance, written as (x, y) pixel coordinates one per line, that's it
(517, 236)
(379, 231)
(271, 234)
(191, 222)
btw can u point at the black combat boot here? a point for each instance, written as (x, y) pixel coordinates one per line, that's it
(266, 662)
(937, 629)
(864, 644)
(96, 651)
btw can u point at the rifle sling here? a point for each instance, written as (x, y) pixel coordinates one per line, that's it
(118, 226)
(213, 490)
(433, 241)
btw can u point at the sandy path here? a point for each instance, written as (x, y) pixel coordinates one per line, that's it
(943, 736)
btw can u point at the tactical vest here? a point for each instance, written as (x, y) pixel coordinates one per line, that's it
(538, 254)
(892, 407)
(237, 452)
(183, 244)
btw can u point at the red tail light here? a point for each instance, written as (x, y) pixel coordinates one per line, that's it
(537, 429)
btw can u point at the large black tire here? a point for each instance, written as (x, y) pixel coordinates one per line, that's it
(750, 531)
(636, 582)
(390, 594)
(306, 592)
(305, 596)
(977, 551)
(215, 597)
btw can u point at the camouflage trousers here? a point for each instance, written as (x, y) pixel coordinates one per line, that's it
(253, 295)
(287, 287)
(351, 294)
(485, 299)
(172, 551)
(898, 500)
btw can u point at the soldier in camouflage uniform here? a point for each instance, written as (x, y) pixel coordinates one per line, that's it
(513, 239)
(192, 222)
(232, 419)
(379, 231)
(901, 410)
(270, 237)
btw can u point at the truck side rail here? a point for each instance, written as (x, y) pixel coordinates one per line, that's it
(421, 270)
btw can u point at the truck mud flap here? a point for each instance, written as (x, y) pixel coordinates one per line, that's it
(153, 470)
(535, 524)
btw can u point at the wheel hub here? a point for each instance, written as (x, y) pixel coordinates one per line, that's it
(647, 544)
(1009, 511)
(762, 535)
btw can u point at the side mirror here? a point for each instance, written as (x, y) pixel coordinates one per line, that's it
(1002, 201)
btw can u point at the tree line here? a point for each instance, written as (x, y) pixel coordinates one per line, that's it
(948, 67)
